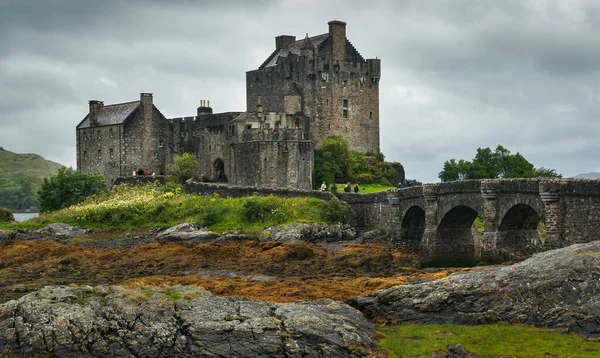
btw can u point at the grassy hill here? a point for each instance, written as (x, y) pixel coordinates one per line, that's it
(20, 177)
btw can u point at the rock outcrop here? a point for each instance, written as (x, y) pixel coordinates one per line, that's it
(187, 232)
(558, 288)
(182, 321)
(312, 232)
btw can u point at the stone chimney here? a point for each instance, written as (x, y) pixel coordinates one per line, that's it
(147, 106)
(94, 111)
(284, 40)
(337, 35)
(204, 108)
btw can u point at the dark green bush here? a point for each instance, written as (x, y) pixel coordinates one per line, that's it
(209, 216)
(255, 210)
(334, 211)
(6, 215)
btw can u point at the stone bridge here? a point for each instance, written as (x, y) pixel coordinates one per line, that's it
(439, 219)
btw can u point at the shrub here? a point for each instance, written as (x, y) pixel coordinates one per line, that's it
(69, 187)
(334, 211)
(6, 215)
(183, 168)
(255, 210)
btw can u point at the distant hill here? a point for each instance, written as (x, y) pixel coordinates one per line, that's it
(591, 175)
(20, 177)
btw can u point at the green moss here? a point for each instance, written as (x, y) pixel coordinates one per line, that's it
(500, 339)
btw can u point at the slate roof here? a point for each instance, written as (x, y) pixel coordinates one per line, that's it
(293, 48)
(245, 117)
(111, 114)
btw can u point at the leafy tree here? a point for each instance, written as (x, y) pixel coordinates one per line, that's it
(67, 188)
(332, 160)
(496, 164)
(336, 163)
(183, 168)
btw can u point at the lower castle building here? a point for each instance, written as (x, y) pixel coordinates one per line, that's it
(304, 91)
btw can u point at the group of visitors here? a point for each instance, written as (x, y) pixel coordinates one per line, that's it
(347, 188)
(141, 173)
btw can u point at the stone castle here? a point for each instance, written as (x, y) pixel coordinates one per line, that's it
(305, 91)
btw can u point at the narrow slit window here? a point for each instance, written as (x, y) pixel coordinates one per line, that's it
(345, 108)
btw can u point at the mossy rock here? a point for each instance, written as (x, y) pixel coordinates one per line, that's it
(6, 215)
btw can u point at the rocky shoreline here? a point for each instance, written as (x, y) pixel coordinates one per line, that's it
(554, 289)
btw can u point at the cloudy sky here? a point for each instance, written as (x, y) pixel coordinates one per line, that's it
(456, 75)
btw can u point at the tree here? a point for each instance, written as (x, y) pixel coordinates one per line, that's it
(183, 168)
(332, 160)
(496, 164)
(67, 188)
(336, 163)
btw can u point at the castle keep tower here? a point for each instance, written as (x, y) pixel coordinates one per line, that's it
(325, 80)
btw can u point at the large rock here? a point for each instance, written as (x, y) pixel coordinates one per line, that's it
(184, 321)
(312, 232)
(61, 231)
(187, 232)
(559, 288)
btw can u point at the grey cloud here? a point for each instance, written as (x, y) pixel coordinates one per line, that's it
(457, 75)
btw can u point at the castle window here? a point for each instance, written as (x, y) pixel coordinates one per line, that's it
(85, 156)
(155, 155)
(345, 83)
(345, 108)
(267, 125)
(98, 135)
(110, 134)
(209, 148)
(111, 153)
(85, 136)
(248, 126)
(370, 115)
(99, 156)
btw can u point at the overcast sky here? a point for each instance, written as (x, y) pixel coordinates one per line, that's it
(456, 75)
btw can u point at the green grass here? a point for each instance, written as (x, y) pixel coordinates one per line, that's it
(156, 206)
(366, 188)
(500, 339)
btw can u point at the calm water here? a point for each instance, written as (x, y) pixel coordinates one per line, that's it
(25, 216)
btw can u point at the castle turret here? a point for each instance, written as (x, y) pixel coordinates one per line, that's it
(337, 35)
(94, 111)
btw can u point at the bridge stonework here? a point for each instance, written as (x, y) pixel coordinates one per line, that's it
(438, 220)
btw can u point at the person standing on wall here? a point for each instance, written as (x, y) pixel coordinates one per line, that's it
(356, 188)
(348, 188)
(324, 186)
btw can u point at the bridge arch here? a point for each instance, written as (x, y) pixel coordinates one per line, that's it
(412, 228)
(454, 240)
(518, 236)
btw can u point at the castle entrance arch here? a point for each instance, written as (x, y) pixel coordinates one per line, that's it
(518, 235)
(219, 170)
(455, 241)
(412, 228)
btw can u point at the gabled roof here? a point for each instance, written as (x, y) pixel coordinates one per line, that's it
(111, 114)
(294, 48)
